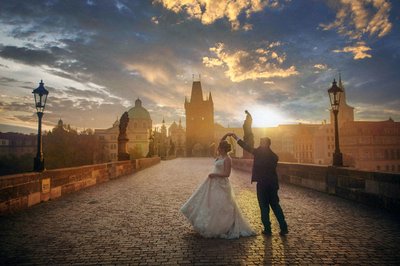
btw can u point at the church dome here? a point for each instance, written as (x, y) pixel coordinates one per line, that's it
(174, 126)
(138, 111)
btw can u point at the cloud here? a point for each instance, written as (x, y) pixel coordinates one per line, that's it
(356, 18)
(208, 11)
(26, 55)
(359, 51)
(263, 63)
(152, 74)
(320, 66)
(269, 82)
(360, 20)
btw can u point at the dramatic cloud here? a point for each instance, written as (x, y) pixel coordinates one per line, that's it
(320, 66)
(263, 63)
(359, 51)
(356, 18)
(208, 11)
(360, 20)
(23, 54)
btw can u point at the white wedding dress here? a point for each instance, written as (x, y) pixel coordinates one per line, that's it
(213, 211)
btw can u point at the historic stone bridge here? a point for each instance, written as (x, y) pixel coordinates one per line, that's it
(136, 220)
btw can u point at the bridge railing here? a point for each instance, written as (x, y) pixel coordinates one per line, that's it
(373, 188)
(21, 191)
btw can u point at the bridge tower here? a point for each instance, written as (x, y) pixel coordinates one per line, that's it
(199, 123)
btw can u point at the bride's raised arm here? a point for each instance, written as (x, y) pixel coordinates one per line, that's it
(226, 135)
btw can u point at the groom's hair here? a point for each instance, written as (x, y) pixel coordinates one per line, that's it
(267, 141)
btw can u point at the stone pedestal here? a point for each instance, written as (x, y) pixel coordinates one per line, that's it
(122, 154)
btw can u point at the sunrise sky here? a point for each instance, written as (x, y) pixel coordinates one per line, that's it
(274, 58)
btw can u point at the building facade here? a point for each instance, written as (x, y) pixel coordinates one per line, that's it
(199, 123)
(177, 134)
(138, 133)
(17, 144)
(371, 145)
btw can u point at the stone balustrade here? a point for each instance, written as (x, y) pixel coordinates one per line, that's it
(373, 188)
(21, 191)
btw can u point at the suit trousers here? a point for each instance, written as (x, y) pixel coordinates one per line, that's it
(267, 196)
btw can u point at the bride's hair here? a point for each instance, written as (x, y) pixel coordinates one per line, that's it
(225, 146)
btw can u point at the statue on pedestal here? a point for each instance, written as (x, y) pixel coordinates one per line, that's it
(122, 138)
(151, 145)
(248, 137)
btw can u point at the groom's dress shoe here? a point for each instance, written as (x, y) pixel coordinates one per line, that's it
(266, 232)
(284, 232)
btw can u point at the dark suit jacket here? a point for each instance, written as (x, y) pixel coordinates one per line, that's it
(264, 165)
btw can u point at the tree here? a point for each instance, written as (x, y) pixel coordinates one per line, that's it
(65, 147)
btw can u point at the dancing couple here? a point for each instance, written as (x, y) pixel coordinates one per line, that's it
(212, 209)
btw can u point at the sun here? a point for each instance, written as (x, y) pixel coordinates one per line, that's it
(264, 116)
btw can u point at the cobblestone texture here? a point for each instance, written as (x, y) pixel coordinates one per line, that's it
(136, 220)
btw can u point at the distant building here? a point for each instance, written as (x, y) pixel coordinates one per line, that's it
(365, 145)
(108, 143)
(199, 123)
(177, 135)
(371, 145)
(17, 144)
(138, 132)
(161, 141)
(169, 143)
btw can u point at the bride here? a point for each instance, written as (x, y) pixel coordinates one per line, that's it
(212, 209)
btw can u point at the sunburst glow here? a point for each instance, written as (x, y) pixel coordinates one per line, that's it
(264, 116)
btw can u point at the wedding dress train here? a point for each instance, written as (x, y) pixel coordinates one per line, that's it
(213, 211)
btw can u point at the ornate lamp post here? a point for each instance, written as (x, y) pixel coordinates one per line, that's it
(334, 96)
(40, 94)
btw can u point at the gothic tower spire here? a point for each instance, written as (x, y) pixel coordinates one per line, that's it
(197, 92)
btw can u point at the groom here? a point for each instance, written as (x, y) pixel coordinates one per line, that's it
(264, 173)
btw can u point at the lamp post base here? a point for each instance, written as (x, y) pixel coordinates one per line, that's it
(38, 164)
(338, 159)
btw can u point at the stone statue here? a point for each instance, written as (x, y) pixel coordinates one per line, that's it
(151, 145)
(248, 137)
(248, 134)
(122, 138)
(123, 124)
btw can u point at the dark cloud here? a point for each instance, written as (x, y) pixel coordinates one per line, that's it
(17, 106)
(4, 80)
(28, 56)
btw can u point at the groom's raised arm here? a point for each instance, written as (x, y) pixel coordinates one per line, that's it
(243, 144)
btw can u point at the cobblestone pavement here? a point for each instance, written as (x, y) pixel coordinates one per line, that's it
(136, 220)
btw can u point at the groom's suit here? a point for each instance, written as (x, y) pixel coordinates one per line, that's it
(264, 173)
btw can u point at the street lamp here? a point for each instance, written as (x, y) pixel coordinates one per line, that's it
(40, 94)
(334, 96)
